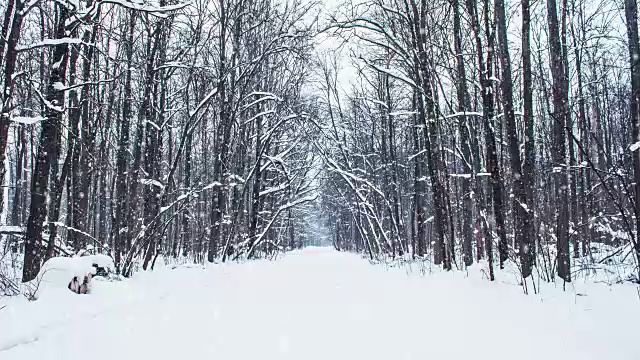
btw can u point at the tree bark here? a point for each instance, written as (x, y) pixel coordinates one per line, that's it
(48, 152)
(465, 135)
(560, 120)
(631, 14)
(122, 228)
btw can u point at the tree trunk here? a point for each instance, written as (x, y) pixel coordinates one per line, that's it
(48, 152)
(520, 206)
(465, 135)
(12, 36)
(527, 249)
(121, 226)
(631, 14)
(428, 115)
(559, 117)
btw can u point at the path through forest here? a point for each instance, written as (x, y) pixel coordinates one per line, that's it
(317, 304)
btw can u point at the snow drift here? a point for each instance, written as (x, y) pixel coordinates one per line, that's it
(322, 304)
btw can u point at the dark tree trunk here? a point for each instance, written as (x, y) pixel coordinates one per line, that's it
(428, 115)
(527, 248)
(121, 227)
(223, 134)
(492, 166)
(520, 206)
(560, 116)
(631, 14)
(84, 149)
(255, 187)
(418, 186)
(153, 139)
(465, 135)
(48, 152)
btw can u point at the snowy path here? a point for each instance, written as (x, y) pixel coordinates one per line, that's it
(318, 304)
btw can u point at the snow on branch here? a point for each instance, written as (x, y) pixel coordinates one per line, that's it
(157, 11)
(265, 138)
(274, 189)
(417, 154)
(212, 185)
(403, 113)
(70, 228)
(335, 167)
(172, 64)
(51, 42)
(152, 123)
(282, 208)
(265, 97)
(203, 102)
(463, 113)
(375, 101)
(12, 229)
(264, 113)
(236, 178)
(26, 120)
(180, 198)
(28, 6)
(262, 93)
(393, 74)
(368, 24)
(153, 182)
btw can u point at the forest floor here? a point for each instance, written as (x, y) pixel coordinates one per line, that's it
(320, 304)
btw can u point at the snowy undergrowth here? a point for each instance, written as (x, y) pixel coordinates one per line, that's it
(604, 264)
(321, 304)
(598, 279)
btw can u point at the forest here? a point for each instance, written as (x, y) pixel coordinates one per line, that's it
(452, 132)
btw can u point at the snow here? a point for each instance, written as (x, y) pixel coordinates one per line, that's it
(212, 185)
(322, 304)
(264, 113)
(27, 120)
(11, 229)
(235, 177)
(463, 113)
(152, 123)
(152, 182)
(417, 154)
(465, 176)
(265, 97)
(203, 102)
(274, 189)
(393, 73)
(179, 199)
(402, 113)
(27, 7)
(50, 42)
(158, 11)
(70, 228)
(58, 271)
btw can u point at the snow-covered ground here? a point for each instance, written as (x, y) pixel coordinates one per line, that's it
(320, 304)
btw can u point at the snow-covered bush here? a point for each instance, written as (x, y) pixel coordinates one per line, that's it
(74, 273)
